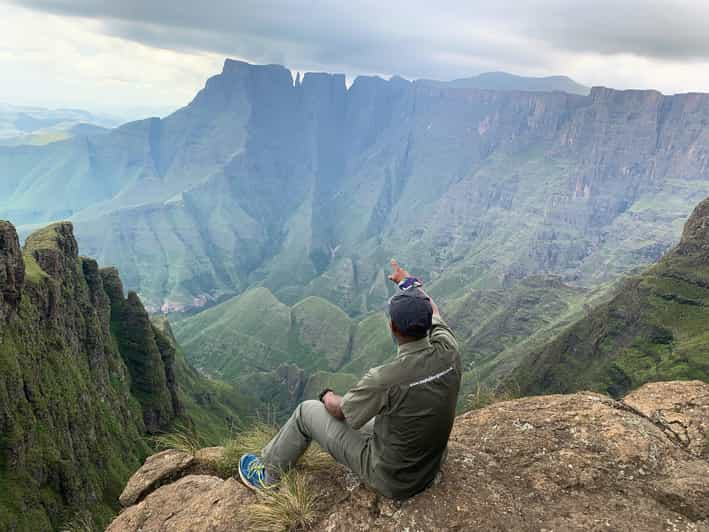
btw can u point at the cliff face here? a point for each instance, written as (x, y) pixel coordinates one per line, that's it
(12, 271)
(151, 368)
(263, 179)
(563, 462)
(71, 429)
(654, 328)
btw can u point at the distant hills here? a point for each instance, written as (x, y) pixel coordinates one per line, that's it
(25, 125)
(280, 354)
(502, 81)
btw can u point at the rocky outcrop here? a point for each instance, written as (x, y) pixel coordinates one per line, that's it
(562, 462)
(12, 270)
(54, 248)
(695, 237)
(69, 435)
(84, 376)
(193, 503)
(149, 356)
(157, 469)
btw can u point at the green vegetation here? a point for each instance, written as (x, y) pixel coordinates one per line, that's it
(653, 328)
(180, 438)
(274, 353)
(67, 419)
(33, 273)
(82, 522)
(73, 412)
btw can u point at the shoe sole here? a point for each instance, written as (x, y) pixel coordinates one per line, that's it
(246, 482)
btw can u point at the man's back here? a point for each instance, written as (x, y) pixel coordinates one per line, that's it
(413, 398)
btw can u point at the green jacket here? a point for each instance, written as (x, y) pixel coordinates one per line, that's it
(413, 398)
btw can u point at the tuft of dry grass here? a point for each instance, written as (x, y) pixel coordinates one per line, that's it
(290, 506)
(181, 439)
(484, 395)
(82, 522)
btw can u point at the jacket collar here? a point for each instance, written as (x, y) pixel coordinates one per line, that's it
(414, 347)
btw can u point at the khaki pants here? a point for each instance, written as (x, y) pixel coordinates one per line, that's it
(310, 421)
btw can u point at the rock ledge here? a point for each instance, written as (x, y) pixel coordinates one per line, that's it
(559, 462)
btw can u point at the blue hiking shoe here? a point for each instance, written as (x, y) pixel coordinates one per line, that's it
(253, 472)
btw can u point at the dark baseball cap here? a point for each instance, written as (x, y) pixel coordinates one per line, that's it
(411, 312)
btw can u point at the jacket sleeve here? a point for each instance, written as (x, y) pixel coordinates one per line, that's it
(442, 335)
(368, 398)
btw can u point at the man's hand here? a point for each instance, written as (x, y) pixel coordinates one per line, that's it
(399, 273)
(333, 404)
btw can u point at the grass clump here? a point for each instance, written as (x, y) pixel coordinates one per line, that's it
(33, 271)
(81, 522)
(292, 505)
(254, 438)
(485, 395)
(181, 439)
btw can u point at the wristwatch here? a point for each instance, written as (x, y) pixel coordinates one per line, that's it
(410, 282)
(323, 393)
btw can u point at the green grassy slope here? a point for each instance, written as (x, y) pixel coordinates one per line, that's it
(282, 354)
(256, 332)
(654, 328)
(211, 408)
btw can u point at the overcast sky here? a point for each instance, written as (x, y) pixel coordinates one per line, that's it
(136, 56)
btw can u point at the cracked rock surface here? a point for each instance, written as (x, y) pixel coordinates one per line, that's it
(680, 408)
(559, 462)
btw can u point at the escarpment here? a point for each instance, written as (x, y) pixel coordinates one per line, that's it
(12, 271)
(72, 416)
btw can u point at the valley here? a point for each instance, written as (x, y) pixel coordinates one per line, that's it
(244, 243)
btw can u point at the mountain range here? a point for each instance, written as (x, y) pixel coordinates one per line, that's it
(306, 187)
(547, 221)
(22, 125)
(503, 81)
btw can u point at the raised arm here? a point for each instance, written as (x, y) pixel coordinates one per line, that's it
(440, 332)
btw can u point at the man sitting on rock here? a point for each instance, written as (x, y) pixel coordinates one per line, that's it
(392, 428)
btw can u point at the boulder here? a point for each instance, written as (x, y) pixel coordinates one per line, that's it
(195, 503)
(157, 470)
(209, 456)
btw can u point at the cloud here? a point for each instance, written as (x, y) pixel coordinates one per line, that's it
(622, 43)
(57, 61)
